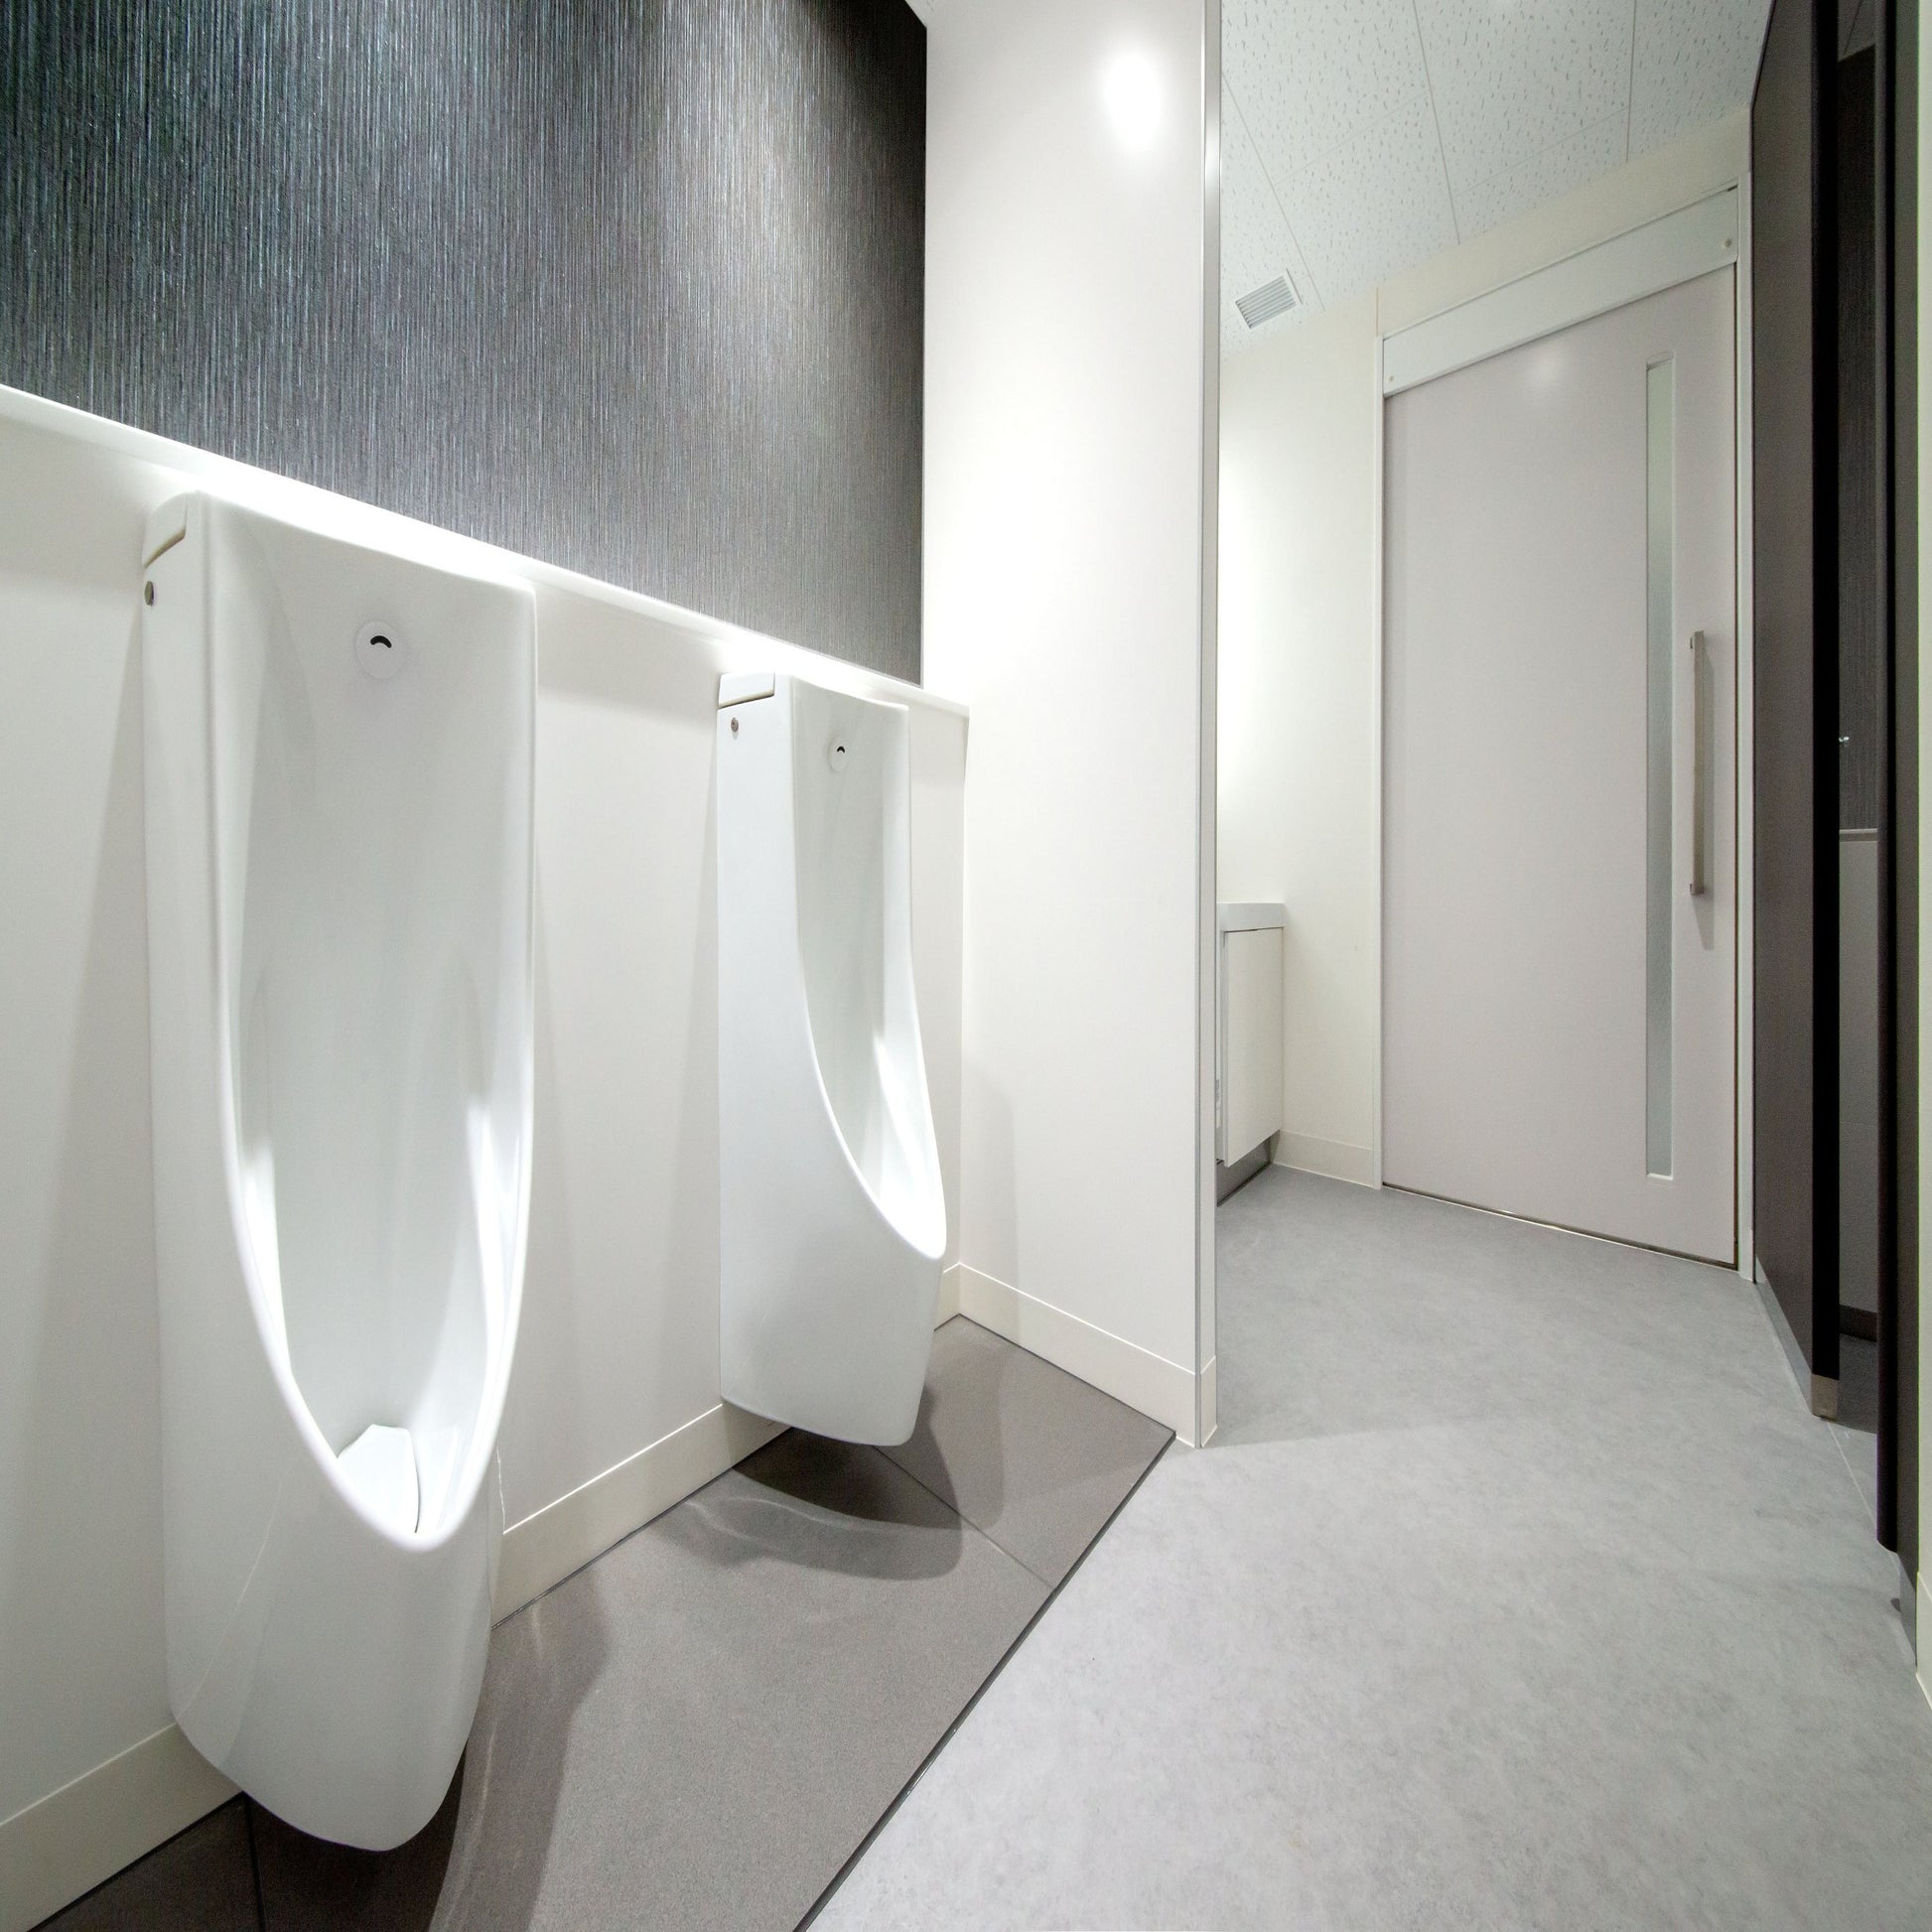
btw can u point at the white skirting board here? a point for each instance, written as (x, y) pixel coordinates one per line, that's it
(948, 1297)
(1338, 1159)
(1922, 1624)
(74, 1838)
(1150, 1383)
(85, 1831)
(562, 1536)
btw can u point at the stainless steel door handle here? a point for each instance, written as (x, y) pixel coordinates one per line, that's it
(1699, 763)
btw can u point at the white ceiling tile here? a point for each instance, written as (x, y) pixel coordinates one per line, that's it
(1351, 139)
(1375, 206)
(1512, 77)
(1314, 76)
(1542, 178)
(1695, 61)
(1256, 243)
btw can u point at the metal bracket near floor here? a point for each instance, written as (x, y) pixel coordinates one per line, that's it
(1237, 1173)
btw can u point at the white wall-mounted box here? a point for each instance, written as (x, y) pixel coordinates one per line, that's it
(1248, 1066)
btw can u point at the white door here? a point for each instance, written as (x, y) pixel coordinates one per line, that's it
(1559, 1002)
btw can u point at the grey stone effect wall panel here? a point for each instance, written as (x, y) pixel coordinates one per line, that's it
(633, 288)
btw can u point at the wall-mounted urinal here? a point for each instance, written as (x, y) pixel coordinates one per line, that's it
(833, 1215)
(339, 835)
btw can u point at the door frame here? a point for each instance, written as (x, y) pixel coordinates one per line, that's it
(1707, 231)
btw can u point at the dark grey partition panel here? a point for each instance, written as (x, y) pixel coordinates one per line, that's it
(1898, 1359)
(1795, 677)
(1859, 706)
(634, 288)
(1898, 1302)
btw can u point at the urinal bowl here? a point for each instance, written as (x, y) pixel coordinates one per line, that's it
(834, 1218)
(338, 751)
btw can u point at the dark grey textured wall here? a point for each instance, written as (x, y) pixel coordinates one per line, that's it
(633, 288)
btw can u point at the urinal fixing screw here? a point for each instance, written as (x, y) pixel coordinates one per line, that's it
(734, 727)
(147, 591)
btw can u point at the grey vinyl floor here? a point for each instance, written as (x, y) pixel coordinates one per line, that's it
(1518, 1589)
(700, 1727)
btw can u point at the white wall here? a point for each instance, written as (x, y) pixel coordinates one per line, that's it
(614, 1409)
(1299, 421)
(1064, 420)
(1300, 426)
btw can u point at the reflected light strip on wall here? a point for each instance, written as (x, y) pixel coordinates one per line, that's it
(1130, 87)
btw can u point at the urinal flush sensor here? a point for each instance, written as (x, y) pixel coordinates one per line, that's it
(381, 651)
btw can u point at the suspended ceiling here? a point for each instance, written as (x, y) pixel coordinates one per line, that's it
(1362, 137)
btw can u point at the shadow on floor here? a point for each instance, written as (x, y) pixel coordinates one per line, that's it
(845, 1508)
(310, 1883)
(1858, 1384)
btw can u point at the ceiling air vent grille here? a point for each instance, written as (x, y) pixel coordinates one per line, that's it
(1263, 304)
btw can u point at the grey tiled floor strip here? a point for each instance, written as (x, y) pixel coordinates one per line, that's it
(939, 1743)
(201, 1881)
(703, 1727)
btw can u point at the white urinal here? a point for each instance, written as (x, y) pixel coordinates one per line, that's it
(834, 1215)
(339, 832)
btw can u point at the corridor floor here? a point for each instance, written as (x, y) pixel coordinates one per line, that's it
(1517, 1590)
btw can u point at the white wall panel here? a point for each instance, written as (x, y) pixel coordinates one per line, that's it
(1658, 255)
(1068, 319)
(80, 1349)
(1296, 701)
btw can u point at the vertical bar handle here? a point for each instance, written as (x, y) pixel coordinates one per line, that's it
(1699, 763)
